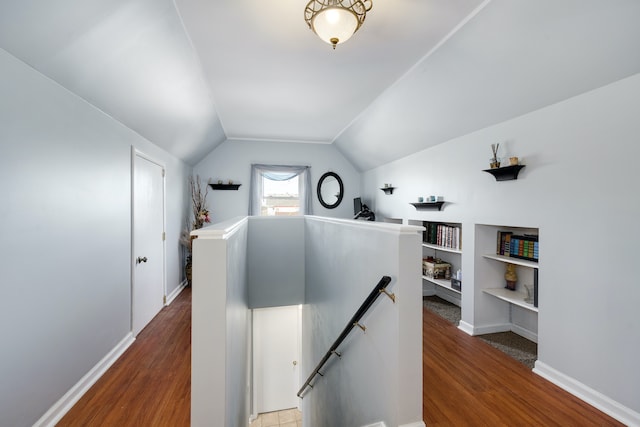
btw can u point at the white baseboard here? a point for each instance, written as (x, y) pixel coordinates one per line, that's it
(378, 424)
(468, 328)
(66, 402)
(594, 398)
(531, 336)
(487, 329)
(451, 296)
(465, 327)
(173, 295)
(416, 424)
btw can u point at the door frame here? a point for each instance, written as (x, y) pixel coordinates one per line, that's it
(255, 355)
(137, 153)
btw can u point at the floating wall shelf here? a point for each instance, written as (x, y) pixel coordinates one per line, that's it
(506, 173)
(428, 205)
(225, 186)
(388, 190)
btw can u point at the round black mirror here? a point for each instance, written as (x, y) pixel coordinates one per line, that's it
(330, 190)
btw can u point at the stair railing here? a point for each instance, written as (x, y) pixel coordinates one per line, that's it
(380, 288)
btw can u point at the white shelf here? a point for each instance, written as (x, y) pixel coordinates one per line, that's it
(442, 283)
(441, 248)
(511, 260)
(512, 297)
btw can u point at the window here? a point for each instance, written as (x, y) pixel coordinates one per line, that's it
(280, 198)
(280, 190)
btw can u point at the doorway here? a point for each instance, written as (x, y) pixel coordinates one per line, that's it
(276, 357)
(148, 216)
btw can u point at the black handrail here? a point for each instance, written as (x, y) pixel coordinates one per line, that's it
(375, 293)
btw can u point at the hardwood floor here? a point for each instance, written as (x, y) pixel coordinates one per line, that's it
(150, 385)
(469, 383)
(466, 382)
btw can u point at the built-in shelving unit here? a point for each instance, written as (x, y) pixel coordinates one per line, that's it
(449, 235)
(225, 186)
(512, 297)
(497, 308)
(444, 284)
(511, 260)
(442, 248)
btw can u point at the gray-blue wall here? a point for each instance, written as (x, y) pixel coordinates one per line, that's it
(233, 159)
(65, 231)
(276, 261)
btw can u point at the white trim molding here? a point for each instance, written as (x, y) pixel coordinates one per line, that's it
(481, 330)
(416, 424)
(531, 336)
(465, 327)
(594, 398)
(66, 402)
(174, 294)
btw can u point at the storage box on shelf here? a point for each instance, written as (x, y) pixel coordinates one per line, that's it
(441, 251)
(497, 308)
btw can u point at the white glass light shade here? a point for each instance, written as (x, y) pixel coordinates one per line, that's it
(335, 25)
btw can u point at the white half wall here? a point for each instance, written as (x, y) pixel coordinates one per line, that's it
(379, 377)
(221, 326)
(579, 187)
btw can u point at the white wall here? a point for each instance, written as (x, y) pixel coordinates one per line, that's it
(220, 326)
(65, 229)
(233, 159)
(580, 188)
(276, 261)
(379, 377)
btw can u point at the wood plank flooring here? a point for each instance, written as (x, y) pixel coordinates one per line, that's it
(150, 385)
(466, 382)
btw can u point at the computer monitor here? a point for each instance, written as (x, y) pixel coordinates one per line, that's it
(357, 205)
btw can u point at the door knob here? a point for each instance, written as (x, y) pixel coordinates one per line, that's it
(141, 259)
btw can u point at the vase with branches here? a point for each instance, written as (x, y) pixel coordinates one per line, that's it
(494, 162)
(199, 216)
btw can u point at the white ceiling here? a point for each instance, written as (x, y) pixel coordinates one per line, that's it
(190, 74)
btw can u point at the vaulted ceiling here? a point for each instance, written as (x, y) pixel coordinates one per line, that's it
(189, 74)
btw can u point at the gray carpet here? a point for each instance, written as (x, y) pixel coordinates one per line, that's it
(513, 345)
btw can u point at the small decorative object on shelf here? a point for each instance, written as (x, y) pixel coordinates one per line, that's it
(529, 298)
(435, 268)
(388, 189)
(506, 173)
(494, 162)
(511, 276)
(513, 161)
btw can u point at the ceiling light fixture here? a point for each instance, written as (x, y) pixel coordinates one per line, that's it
(335, 21)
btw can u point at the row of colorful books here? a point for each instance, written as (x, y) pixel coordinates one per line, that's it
(448, 236)
(524, 246)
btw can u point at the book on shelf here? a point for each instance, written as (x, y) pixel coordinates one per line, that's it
(524, 246)
(504, 243)
(440, 234)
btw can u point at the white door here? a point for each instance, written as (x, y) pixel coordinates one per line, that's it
(148, 242)
(276, 333)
